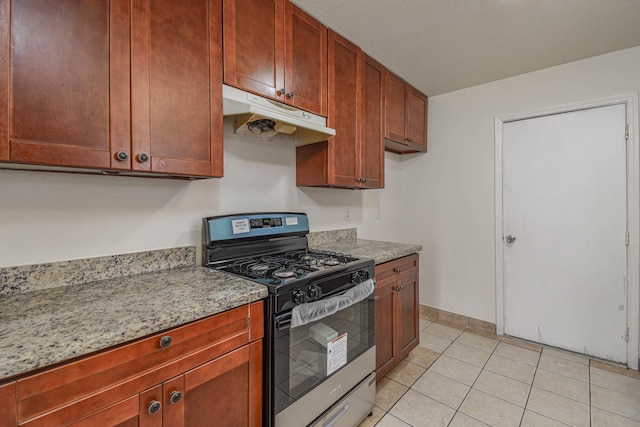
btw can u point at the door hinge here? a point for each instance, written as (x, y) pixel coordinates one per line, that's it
(626, 132)
(626, 238)
(626, 334)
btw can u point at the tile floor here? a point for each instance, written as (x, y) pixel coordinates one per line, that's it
(460, 377)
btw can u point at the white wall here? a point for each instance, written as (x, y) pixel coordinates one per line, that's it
(47, 217)
(448, 194)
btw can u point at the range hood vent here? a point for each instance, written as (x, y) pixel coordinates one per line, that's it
(263, 118)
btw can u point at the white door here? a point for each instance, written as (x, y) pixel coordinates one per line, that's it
(564, 202)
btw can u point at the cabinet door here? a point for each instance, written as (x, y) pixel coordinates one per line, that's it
(395, 102)
(69, 82)
(306, 61)
(151, 408)
(385, 293)
(406, 308)
(227, 390)
(397, 322)
(4, 79)
(177, 84)
(372, 142)
(254, 46)
(345, 73)
(335, 162)
(417, 120)
(8, 405)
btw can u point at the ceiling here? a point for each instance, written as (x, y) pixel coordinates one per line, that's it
(440, 46)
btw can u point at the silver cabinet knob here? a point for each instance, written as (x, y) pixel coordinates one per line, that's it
(175, 397)
(154, 407)
(510, 238)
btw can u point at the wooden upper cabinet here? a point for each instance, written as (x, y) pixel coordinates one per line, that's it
(274, 49)
(177, 87)
(405, 117)
(372, 142)
(334, 162)
(417, 104)
(119, 85)
(69, 82)
(345, 76)
(354, 158)
(305, 61)
(254, 46)
(395, 109)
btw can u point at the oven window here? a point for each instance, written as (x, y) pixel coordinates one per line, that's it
(306, 355)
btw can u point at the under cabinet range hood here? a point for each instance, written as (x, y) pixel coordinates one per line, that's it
(263, 118)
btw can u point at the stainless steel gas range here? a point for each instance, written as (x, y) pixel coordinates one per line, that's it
(319, 338)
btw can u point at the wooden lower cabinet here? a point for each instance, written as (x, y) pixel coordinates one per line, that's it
(8, 405)
(122, 414)
(397, 313)
(227, 390)
(208, 373)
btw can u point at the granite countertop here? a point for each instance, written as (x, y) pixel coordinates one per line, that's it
(47, 326)
(53, 312)
(346, 241)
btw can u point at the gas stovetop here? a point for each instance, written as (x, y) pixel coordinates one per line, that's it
(272, 249)
(286, 267)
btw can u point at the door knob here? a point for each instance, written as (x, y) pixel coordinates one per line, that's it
(510, 238)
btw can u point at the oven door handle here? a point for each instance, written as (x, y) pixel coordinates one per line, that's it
(312, 311)
(283, 321)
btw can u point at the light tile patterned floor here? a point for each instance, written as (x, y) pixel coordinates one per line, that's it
(463, 378)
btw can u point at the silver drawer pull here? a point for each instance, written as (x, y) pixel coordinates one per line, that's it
(334, 419)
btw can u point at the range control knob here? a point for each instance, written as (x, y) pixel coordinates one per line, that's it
(359, 276)
(298, 296)
(314, 292)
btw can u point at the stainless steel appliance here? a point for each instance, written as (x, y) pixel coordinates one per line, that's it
(319, 338)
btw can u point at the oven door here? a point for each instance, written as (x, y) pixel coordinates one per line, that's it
(314, 354)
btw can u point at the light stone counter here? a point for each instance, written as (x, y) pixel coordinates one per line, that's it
(52, 324)
(53, 312)
(346, 241)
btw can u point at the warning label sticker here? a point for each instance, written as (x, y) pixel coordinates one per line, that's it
(336, 353)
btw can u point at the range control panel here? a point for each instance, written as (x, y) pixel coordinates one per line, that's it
(256, 225)
(265, 222)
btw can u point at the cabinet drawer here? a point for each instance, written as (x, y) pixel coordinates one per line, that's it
(136, 364)
(395, 267)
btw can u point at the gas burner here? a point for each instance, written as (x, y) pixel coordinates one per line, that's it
(283, 274)
(259, 268)
(331, 262)
(242, 265)
(300, 255)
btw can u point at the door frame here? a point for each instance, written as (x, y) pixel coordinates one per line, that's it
(630, 101)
